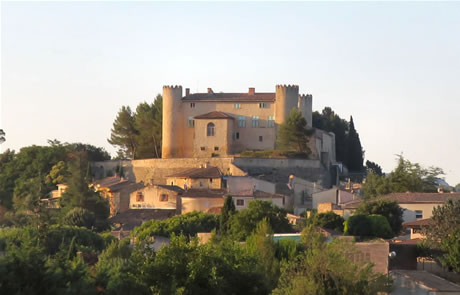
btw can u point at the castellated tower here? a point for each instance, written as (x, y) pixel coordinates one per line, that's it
(172, 122)
(305, 106)
(287, 98)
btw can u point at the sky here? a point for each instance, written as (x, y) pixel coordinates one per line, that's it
(68, 67)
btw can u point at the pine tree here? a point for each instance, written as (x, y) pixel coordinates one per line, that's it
(354, 160)
(293, 134)
(227, 211)
(124, 133)
(148, 121)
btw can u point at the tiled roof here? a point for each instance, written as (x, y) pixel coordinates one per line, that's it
(210, 172)
(173, 188)
(418, 223)
(231, 97)
(215, 115)
(137, 216)
(412, 198)
(205, 193)
(113, 183)
(257, 194)
(215, 210)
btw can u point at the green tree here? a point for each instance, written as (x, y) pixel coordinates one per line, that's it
(244, 223)
(148, 123)
(79, 194)
(374, 168)
(354, 160)
(457, 188)
(368, 226)
(293, 134)
(58, 173)
(325, 268)
(227, 212)
(444, 232)
(406, 177)
(2, 136)
(328, 220)
(124, 133)
(389, 209)
(80, 217)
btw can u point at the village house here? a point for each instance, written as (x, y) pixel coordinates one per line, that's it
(416, 205)
(197, 178)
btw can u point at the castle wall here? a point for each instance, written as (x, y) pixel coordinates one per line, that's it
(248, 135)
(218, 145)
(287, 98)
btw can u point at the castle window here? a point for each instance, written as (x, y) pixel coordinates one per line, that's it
(237, 135)
(241, 122)
(164, 198)
(191, 122)
(240, 202)
(262, 105)
(237, 106)
(192, 105)
(255, 121)
(211, 129)
(261, 138)
(203, 148)
(139, 197)
(216, 148)
(271, 122)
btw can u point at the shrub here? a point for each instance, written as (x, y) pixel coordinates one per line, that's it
(79, 217)
(368, 226)
(328, 220)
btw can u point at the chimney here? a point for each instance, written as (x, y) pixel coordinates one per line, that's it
(210, 91)
(207, 165)
(252, 91)
(187, 91)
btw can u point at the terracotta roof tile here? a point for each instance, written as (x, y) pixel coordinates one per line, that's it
(215, 115)
(173, 188)
(205, 193)
(138, 216)
(412, 198)
(210, 172)
(418, 223)
(231, 97)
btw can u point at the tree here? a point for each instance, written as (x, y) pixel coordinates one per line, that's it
(358, 225)
(293, 134)
(124, 133)
(389, 209)
(80, 217)
(444, 233)
(457, 188)
(148, 123)
(326, 268)
(328, 220)
(244, 223)
(227, 212)
(78, 193)
(355, 152)
(2, 136)
(406, 177)
(374, 168)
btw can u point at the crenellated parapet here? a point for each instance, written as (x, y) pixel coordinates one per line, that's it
(286, 98)
(305, 105)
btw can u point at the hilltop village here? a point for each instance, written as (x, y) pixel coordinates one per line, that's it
(246, 182)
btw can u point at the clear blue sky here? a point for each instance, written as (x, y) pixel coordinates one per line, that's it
(68, 67)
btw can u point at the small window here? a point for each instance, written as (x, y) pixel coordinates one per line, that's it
(191, 122)
(139, 197)
(237, 106)
(418, 214)
(240, 202)
(210, 180)
(192, 105)
(261, 138)
(216, 148)
(201, 184)
(271, 122)
(211, 129)
(237, 135)
(255, 121)
(164, 198)
(262, 105)
(203, 148)
(241, 122)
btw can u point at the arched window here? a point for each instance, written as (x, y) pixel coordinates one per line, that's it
(211, 129)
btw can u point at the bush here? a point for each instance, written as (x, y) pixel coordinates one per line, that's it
(328, 220)
(79, 217)
(368, 226)
(389, 209)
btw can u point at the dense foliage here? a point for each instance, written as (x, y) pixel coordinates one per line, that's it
(293, 134)
(406, 177)
(444, 234)
(138, 134)
(347, 144)
(328, 220)
(368, 226)
(389, 209)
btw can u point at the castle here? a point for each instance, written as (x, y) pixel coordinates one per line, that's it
(203, 125)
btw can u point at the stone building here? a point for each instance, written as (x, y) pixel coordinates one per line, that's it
(201, 125)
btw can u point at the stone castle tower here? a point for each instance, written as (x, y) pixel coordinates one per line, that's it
(220, 124)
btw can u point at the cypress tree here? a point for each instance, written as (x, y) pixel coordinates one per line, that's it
(354, 160)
